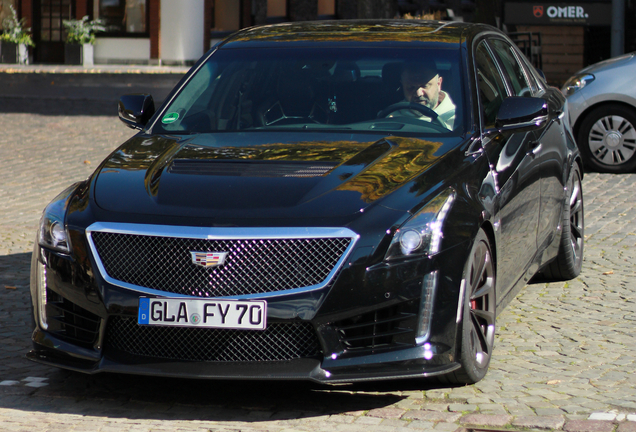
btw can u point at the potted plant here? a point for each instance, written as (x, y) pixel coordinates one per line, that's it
(15, 40)
(80, 39)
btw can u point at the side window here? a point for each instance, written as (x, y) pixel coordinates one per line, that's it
(513, 69)
(491, 87)
(535, 82)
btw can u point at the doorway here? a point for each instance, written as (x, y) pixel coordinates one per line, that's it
(48, 30)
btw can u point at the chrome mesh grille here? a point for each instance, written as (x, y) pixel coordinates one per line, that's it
(279, 342)
(253, 266)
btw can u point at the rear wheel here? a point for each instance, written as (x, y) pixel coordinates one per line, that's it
(567, 264)
(607, 139)
(478, 313)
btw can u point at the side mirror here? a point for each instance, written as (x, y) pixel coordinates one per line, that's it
(520, 114)
(541, 74)
(136, 109)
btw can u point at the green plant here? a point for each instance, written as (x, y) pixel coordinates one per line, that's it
(14, 30)
(82, 31)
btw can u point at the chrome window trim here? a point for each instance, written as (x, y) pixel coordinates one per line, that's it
(222, 233)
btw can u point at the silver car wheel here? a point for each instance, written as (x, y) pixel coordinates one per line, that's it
(480, 288)
(612, 140)
(576, 217)
(478, 313)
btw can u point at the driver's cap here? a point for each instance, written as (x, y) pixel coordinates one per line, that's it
(422, 72)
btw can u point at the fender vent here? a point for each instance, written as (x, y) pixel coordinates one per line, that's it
(250, 168)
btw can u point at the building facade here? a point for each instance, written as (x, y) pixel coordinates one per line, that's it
(180, 31)
(568, 35)
(561, 37)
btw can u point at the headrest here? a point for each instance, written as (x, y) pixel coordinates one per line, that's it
(346, 72)
(391, 73)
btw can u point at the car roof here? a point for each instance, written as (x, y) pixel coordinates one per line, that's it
(351, 32)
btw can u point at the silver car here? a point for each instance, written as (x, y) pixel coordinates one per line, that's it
(602, 105)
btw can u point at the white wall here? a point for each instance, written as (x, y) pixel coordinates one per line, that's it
(122, 50)
(181, 37)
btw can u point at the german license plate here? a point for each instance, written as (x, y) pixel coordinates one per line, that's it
(203, 313)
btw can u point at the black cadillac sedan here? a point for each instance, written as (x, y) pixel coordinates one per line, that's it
(332, 201)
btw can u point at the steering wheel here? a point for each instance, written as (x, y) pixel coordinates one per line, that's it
(408, 105)
(413, 106)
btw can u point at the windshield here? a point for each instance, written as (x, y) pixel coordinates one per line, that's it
(390, 91)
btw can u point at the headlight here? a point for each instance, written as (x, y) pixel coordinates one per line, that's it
(53, 233)
(422, 234)
(576, 83)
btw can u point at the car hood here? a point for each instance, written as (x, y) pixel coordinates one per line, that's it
(609, 64)
(260, 175)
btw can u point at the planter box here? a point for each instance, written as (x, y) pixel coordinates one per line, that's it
(73, 54)
(87, 55)
(23, 54)
(8, 52)
(14, 53)
(78, 54)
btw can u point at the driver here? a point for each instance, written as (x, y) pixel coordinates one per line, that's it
(422, 84)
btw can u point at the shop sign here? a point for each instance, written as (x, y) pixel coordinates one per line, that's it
(585, 14)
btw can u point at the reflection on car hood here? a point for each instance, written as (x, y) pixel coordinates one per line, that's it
(260, 175)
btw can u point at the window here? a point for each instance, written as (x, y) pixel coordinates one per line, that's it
(491, 87)
(535, 82)
(227, 15)
(122, 16)
(276, 11)
(52, 15)
(327, 8)
(301, 89)
(514, 70)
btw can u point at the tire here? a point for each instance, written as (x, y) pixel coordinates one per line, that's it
(569, 260)
(607, 139)
(478, 313)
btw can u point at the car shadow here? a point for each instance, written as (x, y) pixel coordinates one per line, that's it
(151, 398)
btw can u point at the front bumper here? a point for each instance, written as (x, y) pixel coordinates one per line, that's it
(398, 365)
(359, 298)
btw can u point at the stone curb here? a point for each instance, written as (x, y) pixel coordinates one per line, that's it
(97, 69)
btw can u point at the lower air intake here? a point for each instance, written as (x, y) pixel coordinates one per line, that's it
(279, 342)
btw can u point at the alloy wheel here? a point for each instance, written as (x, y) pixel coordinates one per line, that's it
(482, 305)
(612, 140)
(576, 216)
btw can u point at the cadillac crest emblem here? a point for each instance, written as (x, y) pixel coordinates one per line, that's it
(208, 259)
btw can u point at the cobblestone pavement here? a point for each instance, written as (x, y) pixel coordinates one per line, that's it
(564, 358)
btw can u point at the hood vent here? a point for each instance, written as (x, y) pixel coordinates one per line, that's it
(250, 168)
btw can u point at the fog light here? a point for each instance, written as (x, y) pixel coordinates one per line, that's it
(426, 307)
(428, 353)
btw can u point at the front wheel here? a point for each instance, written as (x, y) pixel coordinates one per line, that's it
(607, 139)
(478, 313)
